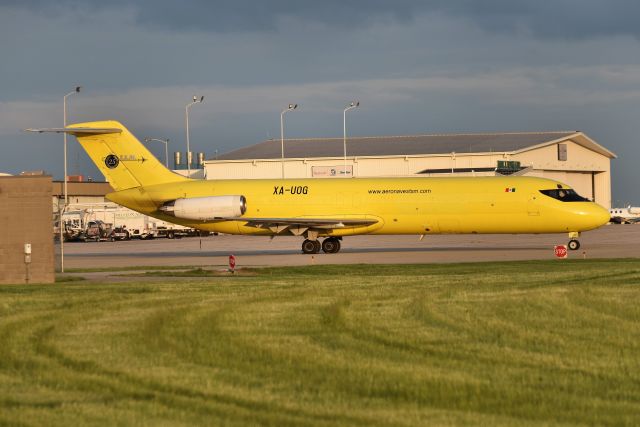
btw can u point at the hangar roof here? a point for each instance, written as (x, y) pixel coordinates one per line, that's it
(411, 145)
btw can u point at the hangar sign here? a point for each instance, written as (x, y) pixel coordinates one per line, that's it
(331, 171)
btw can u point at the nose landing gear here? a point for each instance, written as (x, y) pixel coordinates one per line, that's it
(330, 245)
(573, 244)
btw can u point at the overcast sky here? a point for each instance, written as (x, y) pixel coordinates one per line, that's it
(423, 66)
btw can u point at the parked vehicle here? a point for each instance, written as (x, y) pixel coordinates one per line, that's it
(145, 234)
(170, 233)
(120, 233)
(97, 230)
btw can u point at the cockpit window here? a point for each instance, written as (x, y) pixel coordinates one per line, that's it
(564, 195)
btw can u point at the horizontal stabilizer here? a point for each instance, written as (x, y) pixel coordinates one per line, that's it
(78, 131)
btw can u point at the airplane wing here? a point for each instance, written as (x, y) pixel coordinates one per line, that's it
(298, 226)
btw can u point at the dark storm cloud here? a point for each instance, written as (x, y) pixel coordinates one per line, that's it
(569, 19)
(236, 15)
(251, 15)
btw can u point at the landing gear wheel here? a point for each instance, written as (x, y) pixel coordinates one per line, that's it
(574, 245)
(310, 247)
(331, 245)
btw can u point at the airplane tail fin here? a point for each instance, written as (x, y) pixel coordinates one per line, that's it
(121, 158)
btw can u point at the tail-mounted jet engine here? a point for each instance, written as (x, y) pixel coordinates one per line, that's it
(206, 208)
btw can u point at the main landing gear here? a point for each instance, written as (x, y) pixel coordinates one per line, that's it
(330, 245)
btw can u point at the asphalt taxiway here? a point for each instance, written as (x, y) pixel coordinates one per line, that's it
(611, 241)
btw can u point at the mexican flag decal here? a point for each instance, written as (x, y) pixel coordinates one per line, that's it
(509, 190)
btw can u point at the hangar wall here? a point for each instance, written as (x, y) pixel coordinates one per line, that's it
(363, 167)
(586, 167)
(25, 217)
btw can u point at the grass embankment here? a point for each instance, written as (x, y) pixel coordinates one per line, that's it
(522, 343)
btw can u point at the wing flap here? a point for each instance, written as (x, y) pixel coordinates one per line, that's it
(281, 224)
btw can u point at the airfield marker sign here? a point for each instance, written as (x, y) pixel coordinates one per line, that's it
(232, 263)
(561, 251)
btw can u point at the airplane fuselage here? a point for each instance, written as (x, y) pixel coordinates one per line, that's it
(398, 205)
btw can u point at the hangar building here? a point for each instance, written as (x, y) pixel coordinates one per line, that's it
(570, 157)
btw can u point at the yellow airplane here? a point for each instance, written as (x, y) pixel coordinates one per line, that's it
(332, 208)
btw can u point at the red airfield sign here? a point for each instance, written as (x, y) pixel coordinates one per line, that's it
(232, 262)
(560, 251)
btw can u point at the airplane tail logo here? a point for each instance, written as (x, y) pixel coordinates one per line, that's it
(111, 161)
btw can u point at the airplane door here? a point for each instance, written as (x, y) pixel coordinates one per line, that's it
(533, 209)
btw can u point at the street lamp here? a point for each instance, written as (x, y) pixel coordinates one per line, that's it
(186, 120)
(166, 148)
(66, 194)
(64, 112)
(291, 107)
(351, 106)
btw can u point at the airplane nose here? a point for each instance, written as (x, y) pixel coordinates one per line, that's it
(595, 216)
(603, 215)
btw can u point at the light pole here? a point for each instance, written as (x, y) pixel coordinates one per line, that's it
(166, 148)
(66, 194)
(291, 107)
(186, 120)
(351, 106)
(64, 135)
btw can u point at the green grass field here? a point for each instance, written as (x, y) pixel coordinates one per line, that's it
(521, 343)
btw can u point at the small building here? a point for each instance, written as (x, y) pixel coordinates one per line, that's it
(26, 244)
(570, 157)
